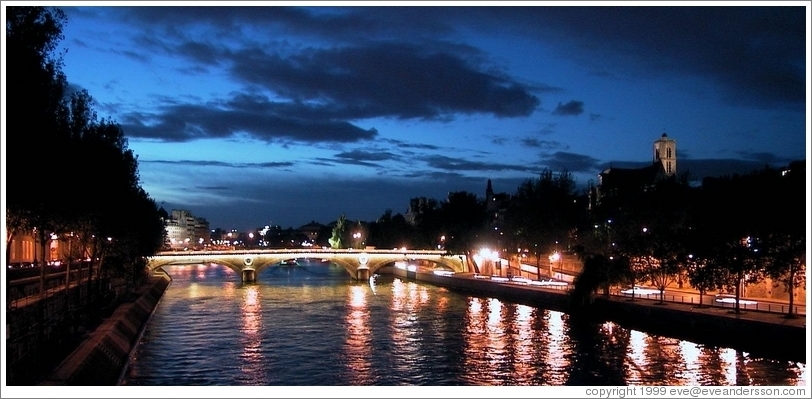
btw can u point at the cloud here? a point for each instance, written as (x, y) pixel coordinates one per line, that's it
(365, 158)
(458, 164)
(322, 200)
(220, 164)
(571, 108)
(498, 140)
(567, 161)
(318, 94)
(543, 144)
(253, 115)
(404, 144)
(396, 80)
(766, 157)
(213, 188)
(405, 72)
(763, 67)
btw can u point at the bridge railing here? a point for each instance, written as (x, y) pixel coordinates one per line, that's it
(307, 251)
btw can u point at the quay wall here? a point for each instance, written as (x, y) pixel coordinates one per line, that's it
(770, 334)
(101, 359)
(752, 331)
(551, 299)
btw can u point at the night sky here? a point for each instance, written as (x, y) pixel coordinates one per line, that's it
(281, 115)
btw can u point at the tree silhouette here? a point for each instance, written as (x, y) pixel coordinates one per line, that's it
(48, 129)
(543, 213)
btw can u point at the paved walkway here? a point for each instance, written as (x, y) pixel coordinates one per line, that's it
(756, 315)
(771, 305)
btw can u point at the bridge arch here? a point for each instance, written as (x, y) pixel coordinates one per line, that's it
(358, 264)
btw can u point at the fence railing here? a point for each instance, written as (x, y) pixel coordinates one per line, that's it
(24, 291)
(710, 301)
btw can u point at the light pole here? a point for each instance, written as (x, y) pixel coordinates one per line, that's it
(554, 257)
(357, 238)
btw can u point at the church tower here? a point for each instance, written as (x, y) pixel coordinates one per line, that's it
(489, 193)
(665, 151)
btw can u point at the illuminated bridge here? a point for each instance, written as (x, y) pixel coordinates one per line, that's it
(359, 263)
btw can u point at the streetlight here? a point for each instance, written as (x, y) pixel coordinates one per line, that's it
(489, 258)
(554, 257)
(357, 237)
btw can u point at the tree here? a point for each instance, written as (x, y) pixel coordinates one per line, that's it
(745, 230)
(787, 255)
(744, 266)
(46, 128)
(338, 233)
(543, 213)
(428, 223)
(462, 217)
(390, 231)
(705, 275)
(672, 258)
(785, 244)
(34, 93)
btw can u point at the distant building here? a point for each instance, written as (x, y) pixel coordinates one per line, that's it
(417, 206)
(496, 205)
(311, 230)
(184, 230)
(665, 152)
(614, 182)
(24, 248)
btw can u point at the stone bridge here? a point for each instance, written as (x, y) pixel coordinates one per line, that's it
(359, 263)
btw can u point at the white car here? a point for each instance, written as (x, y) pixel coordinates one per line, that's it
(728, 298)
(548, 283)
(638, 290)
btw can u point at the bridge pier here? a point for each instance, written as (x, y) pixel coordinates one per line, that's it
(362, 274)
(249, 276)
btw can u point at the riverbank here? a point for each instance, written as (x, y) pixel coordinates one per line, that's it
(770, 334)
(101, 359)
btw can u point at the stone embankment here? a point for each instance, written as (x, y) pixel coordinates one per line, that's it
(770, 334)
(100, 360)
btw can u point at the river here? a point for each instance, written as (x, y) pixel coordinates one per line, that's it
(312, 325)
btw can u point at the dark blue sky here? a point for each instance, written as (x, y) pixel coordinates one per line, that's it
(262, 114)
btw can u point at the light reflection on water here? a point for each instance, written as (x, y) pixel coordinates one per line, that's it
(314, 326)
(251, 370)
(358, 346)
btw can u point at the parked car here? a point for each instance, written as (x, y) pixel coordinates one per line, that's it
(638, 290)
(549, 282)
(731, 299)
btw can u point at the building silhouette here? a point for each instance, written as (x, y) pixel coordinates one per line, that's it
(621, 182)
(496, 205)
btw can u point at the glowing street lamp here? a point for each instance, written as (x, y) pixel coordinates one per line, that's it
(553, 258)
(489, 257)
